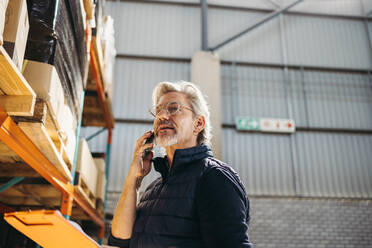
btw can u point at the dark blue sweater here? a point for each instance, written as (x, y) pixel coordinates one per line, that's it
(198, 202)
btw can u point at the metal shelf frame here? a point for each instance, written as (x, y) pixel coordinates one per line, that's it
(12, 136)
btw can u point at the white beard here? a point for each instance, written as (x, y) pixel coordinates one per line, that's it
(167, 140)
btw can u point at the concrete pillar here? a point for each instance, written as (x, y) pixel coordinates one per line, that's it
(205, 72)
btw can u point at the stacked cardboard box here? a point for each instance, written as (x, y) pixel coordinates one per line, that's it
(44, 80)
(15, 30)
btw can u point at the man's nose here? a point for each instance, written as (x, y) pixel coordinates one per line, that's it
(163, 114)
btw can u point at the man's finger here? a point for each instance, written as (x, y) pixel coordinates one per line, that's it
(143, 137)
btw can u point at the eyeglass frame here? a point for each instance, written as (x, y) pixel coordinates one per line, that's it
(180, 104)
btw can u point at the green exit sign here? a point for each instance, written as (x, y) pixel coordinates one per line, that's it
(247, 123)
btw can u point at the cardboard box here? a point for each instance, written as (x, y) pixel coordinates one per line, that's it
(101, 186)
(101, 179)
(68, 132)
(86, 166)
(16, 30)
(101, 164)
(3, 5)
(44, 80)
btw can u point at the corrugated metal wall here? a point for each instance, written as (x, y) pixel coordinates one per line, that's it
(153, 29)
(326, 42)
(260, 45)
(135, 79)
(335, 165)
(330, 154)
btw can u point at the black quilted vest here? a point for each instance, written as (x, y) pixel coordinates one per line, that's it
(166, 215)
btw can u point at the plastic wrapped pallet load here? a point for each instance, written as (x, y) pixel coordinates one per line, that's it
(57, 37)
(109, 53)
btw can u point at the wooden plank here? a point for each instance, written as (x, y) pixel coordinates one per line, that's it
(79, 214)
(29, 194)
(39, 115)
(43, 115)
(17, 170)
(7, 155)
(39, 136)
(9, 159)
(93, 120)
(42, 190)
(12, 192)
(28, 201)
(51, 128)
(18, 105)
(87, 194)
(6, 151)
(93, 111)
(89, 8)
(12, 81)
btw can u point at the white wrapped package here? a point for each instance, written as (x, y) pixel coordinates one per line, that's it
(109, 52)
(3, 5)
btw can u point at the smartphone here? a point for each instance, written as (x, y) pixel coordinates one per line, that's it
(149, 140)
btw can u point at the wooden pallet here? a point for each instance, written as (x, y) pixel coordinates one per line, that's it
(19, 169)
(28, 195)
(94, 110)
(16, 96)
(42, 131)
(82, 188)
(35, 196)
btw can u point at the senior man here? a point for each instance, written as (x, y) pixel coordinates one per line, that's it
(198, 201)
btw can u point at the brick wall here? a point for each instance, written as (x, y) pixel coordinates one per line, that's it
(298, 222)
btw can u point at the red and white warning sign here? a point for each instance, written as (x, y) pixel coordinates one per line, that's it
(277, 125)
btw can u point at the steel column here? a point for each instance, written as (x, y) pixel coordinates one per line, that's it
(204, 24)
(305, 97)
(288, 97)
(100, 90)
(10, 184)
(365, 20)
(108, 158)
(95, 134)
(257, 24)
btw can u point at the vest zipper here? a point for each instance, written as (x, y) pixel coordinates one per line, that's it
(164, 181)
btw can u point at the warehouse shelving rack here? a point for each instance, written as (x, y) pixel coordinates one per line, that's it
(13, 137)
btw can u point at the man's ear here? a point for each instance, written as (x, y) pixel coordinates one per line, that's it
(199, 124)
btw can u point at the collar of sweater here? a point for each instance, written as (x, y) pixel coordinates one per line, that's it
(180, 158)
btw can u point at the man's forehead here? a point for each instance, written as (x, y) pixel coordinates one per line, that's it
(172, 97)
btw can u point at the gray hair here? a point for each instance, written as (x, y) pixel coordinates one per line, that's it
(196, 100)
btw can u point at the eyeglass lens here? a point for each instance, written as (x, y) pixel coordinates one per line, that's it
(171, 108)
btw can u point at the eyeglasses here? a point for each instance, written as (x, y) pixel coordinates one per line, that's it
(172, 108)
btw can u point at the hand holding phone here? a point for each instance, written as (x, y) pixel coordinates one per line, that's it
(149, 140)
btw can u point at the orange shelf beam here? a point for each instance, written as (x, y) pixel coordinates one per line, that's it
(101, 92)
